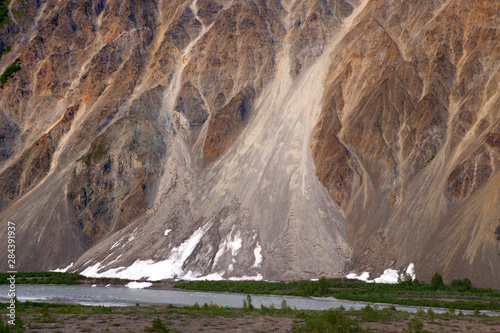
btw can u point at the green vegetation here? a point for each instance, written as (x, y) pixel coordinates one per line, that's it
(9, 71)
(158, 326)
(4, 14)
(415, 325)
(429, 160)
(437, 282)
(413, 293)
(7, 328)
(19, 14)
(43, 278)
(6, 49)
(56, 278)
(335, 321)
(97, 151)
(161, 318)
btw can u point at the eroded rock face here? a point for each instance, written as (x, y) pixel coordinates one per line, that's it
(281, 139)
(227, 124)
(411, 139)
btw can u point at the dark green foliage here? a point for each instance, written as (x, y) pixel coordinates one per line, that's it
(437, 281)
(415, 325)
(293, 288)
(285, 308)
(334, 321)
(271, 311)
(96, 155)
(369, 313)
(9, 71)
(461, 285)
(18, 324)
(405, 279)
(43, 278)
(431, 315)
(157, 326)
(249, 302)
(322, 285)
(5, 50)
(46, 317)
(4, 14)
(411, 293)
(8, 328)
(19, 14)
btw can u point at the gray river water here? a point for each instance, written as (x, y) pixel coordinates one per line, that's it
(122, 296)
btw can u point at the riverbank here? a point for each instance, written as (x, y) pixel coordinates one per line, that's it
(46, 317)
(459, 295)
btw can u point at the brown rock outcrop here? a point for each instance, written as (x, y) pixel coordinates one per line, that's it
(281, 139)
(227, 124)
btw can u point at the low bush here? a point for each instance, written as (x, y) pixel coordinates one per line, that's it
(9, 71)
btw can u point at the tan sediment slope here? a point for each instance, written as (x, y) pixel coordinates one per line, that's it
(275, 140)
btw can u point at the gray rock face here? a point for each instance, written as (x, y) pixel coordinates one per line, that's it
(257, 139)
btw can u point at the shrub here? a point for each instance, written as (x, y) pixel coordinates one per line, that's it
(157, 326)
(437, 281)
(431, 315)
(5, 50)
(4, 14)
(323, 285)
(461, 285)
(335, 321)
(405, 279)
(415, 325)
(249, 303)
(9, 71)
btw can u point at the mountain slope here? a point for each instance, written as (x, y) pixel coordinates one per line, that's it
(275, 140)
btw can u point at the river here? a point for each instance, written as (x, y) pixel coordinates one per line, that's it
(122, 296)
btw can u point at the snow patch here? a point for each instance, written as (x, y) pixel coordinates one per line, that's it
(220, 252)
(138, 285)
(167, 231)
(190, 276)
(234, 245)
(62, 270)
(165, 269)
(258, 255)
(389, 276)
(230, 243)
(410, 270)
(258, 277)
(363, 276)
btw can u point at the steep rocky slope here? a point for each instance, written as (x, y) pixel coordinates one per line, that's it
(261, 139)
